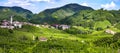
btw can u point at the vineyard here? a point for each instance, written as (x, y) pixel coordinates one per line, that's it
(58, 41)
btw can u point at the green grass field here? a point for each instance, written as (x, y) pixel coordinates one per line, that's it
(21, 41)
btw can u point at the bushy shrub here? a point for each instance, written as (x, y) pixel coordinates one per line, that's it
(113, 42)
(117, 26)
(4, 32)
(116, 36)
(77, 31)
(29, 28)
(11, 31)
(99, 28)
(103, 41)
(23, 37)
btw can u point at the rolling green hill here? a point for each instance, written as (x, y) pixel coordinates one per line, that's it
(55, 15)
(93, 19)
(19, 13)
(21, 41)
(87, 33)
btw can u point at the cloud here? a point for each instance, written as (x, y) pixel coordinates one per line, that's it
(25, 2)
(18, 3)
(111, 5)
(41, 0)
(49, 1)
(84, 4)
(22, 3)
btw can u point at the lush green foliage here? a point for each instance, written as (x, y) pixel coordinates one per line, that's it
(5, 32)
(19, 13)
(28, 28)
(113, 42)
(102, 24)
(21, 41)
(92, 19)
(117, 26)
(87, 34)
(78, 15)
(55, 15)
(74, 30)
(72, 14)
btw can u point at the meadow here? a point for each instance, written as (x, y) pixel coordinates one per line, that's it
(58, 41)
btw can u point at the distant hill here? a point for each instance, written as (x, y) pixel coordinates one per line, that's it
(57, 14)
(71, 14)
(93, 19)
(19, 13)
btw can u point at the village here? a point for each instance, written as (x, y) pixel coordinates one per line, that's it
(11, 24)
(42, 38)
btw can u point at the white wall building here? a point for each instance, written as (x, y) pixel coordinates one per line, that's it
(11, 24)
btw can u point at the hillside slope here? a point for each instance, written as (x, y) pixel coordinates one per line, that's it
(27, 40)
(55, 15)
(19, 13)
(87, 18)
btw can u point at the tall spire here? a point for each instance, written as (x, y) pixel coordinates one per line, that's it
(11, 19)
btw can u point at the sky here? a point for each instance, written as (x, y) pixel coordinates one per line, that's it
(37, 6)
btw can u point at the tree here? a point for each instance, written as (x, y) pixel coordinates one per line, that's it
(116, 36)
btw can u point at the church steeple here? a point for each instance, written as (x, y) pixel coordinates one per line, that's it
(11, 20)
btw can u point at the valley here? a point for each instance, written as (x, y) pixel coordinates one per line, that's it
(71, 28)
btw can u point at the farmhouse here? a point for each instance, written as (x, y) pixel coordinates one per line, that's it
(55, 26)
(42, 39)
(110, 31)
(64, 27)
(17, 24)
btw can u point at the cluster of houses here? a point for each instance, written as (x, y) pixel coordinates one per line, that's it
(62, 27)
(10, 24)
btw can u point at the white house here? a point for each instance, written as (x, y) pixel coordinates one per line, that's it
(64, 27)
(110, 31)
(17, 24)
(43, 39)
(11, 24)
